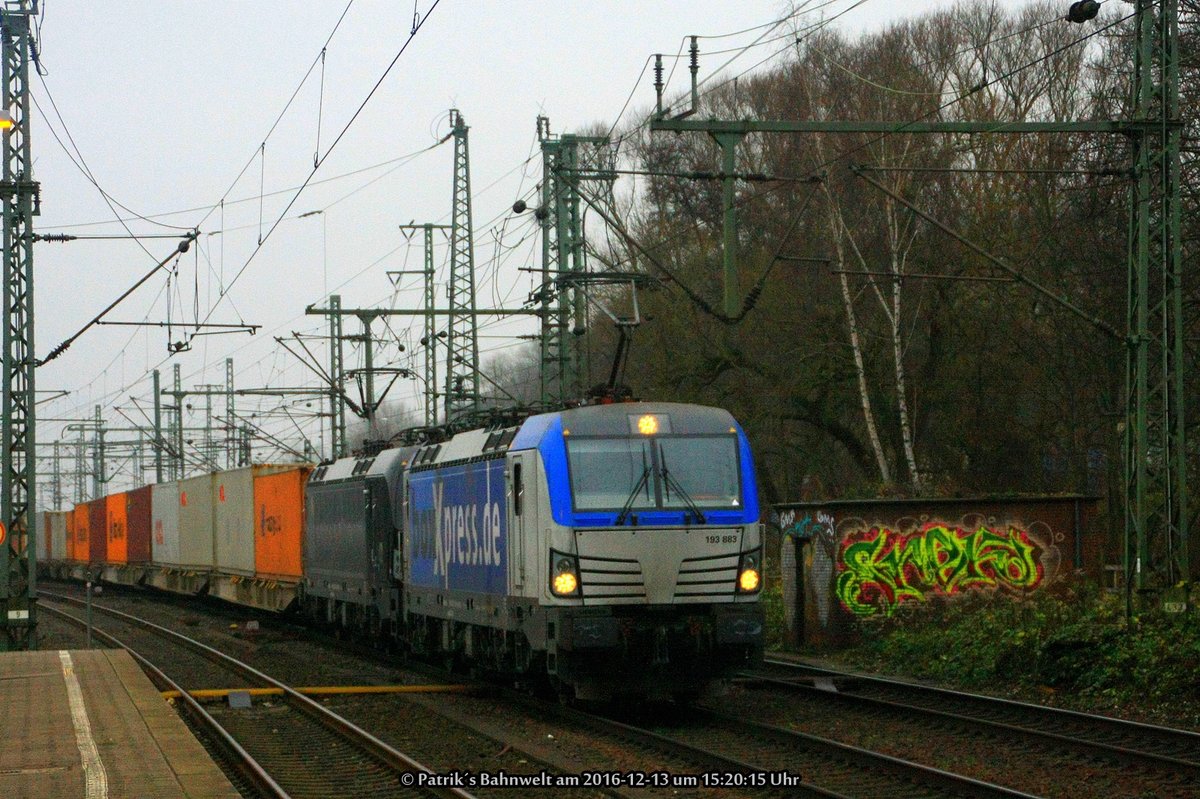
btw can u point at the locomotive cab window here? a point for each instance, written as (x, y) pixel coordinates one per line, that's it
(650, 473)
(606, 471)
(702, 468)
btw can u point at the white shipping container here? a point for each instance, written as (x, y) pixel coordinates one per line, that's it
(58, 534)
(164, 524)
(234, 519)
(196, 523)
(47, 524)
(41, 530)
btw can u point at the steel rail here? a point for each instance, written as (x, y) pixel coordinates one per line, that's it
(706, 758)
(948, 781)
(488, 732)
(1081, 746)
(1141, 733)
(243, 760)
(370, 744)
(484, 731)
(945, 782)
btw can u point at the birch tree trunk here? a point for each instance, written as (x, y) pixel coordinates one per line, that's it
(838, 227)
(899, 241)
(899, 257)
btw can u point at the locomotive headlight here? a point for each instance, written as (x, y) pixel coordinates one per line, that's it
(565, 583)
(564, 574)
(749, 577)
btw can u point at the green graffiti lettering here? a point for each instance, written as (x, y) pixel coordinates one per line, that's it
(881, 568)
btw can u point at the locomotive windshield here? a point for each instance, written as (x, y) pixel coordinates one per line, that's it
(666, 472)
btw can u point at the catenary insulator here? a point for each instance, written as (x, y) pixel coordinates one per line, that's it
(1083, 11)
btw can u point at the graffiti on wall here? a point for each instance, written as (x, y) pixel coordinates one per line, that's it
(807, 527)
(817, 529)
(880, 568)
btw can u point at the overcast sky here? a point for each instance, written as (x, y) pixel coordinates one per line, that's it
(168, 101)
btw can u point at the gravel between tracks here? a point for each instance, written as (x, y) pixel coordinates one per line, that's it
(1184, 716)
(991, 758)
(474, 733)
(442, 731)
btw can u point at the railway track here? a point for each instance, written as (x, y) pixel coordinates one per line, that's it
(1165, 755)
(760, 759)
(298, 748)
(696, 750)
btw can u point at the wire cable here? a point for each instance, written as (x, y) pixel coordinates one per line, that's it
(972, 91)
(401, 160)
(82, 165)
(237, 275)
(283, 112)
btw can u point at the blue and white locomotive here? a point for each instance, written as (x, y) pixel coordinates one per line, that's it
(613, 549)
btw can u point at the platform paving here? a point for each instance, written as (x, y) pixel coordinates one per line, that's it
(89, 724)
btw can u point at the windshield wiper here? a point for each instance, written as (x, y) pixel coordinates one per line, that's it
(669, 482)
(644, 480)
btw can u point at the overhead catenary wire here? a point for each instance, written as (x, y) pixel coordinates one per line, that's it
(795, 38)
(399, 160)
(83, 168)
(341, 134)
(494, 269)
(803, 9)
(80, 163)
(301, 188)
(61, 348)
(818, 170)
(899, 129)
(359, 274)
(337, 25)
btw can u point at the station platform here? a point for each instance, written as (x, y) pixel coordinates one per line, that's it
(90, 724)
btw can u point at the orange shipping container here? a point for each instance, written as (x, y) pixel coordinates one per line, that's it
(81, 551)
(115, 529)
(279, 523)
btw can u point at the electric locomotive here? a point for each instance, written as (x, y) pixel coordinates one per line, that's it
(614, 549)
(606, 549)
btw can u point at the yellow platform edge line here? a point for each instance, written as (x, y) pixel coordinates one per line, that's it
(327, 690)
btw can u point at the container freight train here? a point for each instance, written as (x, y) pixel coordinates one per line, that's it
(611, 549)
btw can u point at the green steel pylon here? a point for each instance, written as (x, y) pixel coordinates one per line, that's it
(462, 339)
(1156, 496)
(18, 541)
(562, 295)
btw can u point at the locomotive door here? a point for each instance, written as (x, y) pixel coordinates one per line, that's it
(379, 536)
(522, 507)
(378, 530)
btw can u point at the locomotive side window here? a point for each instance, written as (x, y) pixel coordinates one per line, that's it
(518, 489)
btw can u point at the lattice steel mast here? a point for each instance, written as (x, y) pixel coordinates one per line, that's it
(462, 340)
(554, 380)
(429, 337)
(337, 408)
(18, 545)
(562, 295)
(1156, 496)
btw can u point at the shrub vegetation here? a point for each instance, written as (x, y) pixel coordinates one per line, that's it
(1073, 648)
